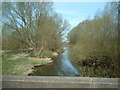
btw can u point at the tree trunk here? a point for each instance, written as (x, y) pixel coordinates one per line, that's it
(39, 52)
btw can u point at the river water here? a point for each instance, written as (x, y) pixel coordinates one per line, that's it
(60, 67)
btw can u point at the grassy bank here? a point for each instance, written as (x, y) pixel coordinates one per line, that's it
(19, 63)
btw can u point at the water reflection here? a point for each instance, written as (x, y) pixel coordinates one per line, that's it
(65, 66)
(60, 67)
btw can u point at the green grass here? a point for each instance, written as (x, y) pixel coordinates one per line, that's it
(12, 52)
(35, 62)
(8, 65)
(43, 54)
(30, 55)
(47, 53)
(19, 66)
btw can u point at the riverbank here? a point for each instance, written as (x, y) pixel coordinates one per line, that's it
(20, 63)
(97, 67)
(60, 67)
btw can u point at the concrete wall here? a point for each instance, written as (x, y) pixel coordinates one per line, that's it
(57, 82)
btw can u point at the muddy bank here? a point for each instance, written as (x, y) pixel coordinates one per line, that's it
(41, 69)
(21, 63)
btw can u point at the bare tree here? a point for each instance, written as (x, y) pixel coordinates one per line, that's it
(36, 24)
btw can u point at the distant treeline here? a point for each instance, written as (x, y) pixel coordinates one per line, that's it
(97, 38)
(31, 25)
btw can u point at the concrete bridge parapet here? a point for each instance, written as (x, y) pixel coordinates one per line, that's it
(58, 82)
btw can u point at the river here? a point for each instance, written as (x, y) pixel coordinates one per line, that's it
(60, 67)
